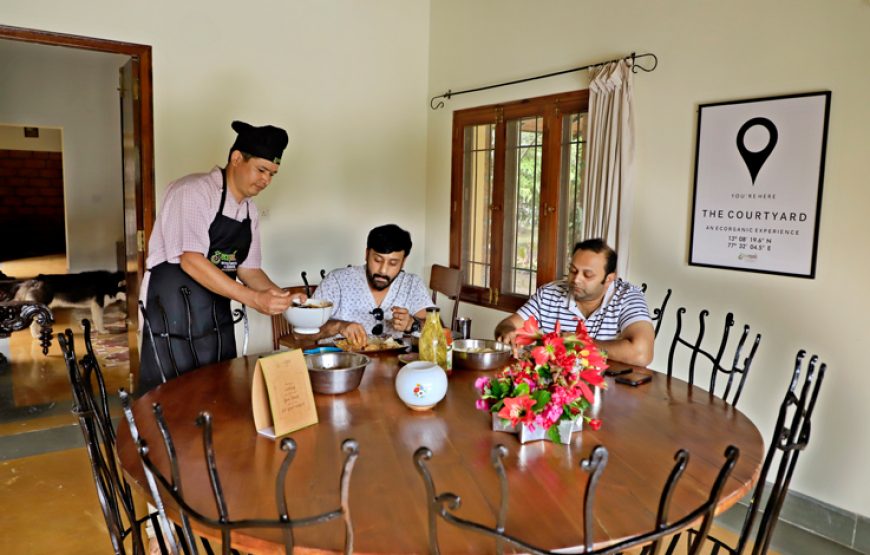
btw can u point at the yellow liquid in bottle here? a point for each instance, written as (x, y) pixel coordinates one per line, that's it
(433, 345)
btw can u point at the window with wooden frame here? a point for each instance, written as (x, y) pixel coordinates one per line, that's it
(516, 195)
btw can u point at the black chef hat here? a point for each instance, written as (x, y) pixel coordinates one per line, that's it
(266, 142)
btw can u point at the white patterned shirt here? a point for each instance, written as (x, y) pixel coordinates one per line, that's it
(352, 300)
(623, 305)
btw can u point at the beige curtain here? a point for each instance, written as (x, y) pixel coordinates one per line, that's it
(607, 176)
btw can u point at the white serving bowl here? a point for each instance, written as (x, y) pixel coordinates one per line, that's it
(309, 316)
(421, 384)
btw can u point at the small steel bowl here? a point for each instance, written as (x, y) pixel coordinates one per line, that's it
(465, 357)
(335, 373)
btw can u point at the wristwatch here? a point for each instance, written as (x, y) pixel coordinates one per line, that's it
(415, 326)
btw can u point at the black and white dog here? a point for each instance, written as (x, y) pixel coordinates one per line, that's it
(95, 290)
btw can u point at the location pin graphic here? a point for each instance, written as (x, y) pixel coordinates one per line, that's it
(754, 160)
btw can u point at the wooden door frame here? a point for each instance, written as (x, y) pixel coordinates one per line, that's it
(146, 130)
(145, 206)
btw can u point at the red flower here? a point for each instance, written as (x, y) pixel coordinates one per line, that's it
(595, 424)
(592, 376)
(529, 333)
(517, 409)
(553, 347)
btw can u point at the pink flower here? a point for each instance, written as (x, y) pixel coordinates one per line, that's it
(481, 404)
(481, 383)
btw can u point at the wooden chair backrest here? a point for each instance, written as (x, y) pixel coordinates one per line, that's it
(447, 281)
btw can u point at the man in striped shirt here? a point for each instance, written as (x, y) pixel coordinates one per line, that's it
(615, 311)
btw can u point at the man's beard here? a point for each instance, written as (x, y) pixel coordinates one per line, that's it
(375, 285)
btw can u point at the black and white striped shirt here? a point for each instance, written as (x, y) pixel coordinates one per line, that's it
(624, 304)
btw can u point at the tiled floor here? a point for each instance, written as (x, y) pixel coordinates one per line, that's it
(47, 495)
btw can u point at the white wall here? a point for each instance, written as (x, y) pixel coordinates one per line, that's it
(75, 91)
(708, 51)
(12, 138)
(347, 79)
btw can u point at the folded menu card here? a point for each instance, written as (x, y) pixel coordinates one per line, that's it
(281, 394)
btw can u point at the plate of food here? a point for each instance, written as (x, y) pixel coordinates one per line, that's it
(375, 345)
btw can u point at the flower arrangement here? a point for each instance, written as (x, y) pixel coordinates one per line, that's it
(550, 382)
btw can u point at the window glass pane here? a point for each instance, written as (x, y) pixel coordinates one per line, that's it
(522, 197)
(571, 189)
(478, 156)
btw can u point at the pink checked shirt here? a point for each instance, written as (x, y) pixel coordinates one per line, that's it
(188, 209)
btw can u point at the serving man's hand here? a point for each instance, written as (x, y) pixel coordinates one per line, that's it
(271, 301)
(402, 319)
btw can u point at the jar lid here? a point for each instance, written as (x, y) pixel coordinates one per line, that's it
(433, 309)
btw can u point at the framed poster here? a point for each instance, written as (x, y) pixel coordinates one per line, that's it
(759, 168)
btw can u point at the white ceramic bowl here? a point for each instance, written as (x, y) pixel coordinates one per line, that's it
(309, 316)
(421, 384)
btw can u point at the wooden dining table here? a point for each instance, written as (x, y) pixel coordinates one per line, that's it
(643, 427)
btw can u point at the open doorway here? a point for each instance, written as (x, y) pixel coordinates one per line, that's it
(108, 202)
(31, 192)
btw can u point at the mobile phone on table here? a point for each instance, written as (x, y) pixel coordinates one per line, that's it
(634, 379)
(616, 371)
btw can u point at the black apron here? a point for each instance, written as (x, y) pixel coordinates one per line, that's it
(206, 335)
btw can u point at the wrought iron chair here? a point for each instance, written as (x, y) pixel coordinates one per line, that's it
(158, 482)
(444, 505)
(791, 434)
(659, 312)
(715, 360)
(447, 281)
(92, 410)
(238, 315)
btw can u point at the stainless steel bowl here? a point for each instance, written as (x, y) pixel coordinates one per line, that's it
(466, 354)
(335, 373)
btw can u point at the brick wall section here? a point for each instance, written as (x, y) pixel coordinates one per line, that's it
(31, 203)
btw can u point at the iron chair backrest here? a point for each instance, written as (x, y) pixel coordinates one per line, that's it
(238, 315)
(447, 281)
(158, 482)
(790, 436)
(308, 289)
(716, 367)
(92, 410)
(658, 313)
(444, 505)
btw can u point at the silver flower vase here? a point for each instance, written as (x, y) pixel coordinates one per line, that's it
(526, 434)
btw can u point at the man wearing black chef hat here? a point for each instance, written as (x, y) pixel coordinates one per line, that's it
(203, 252)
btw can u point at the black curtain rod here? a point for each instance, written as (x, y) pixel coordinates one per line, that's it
(634, 67)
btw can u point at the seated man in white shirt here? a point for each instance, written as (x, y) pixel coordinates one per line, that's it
(379, 297)
(615, 312)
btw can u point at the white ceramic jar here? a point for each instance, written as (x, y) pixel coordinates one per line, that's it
(421, 384)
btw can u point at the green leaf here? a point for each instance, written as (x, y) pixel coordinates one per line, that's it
(541, 397)
(499, 389)
(521, 389)
(553, 434)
